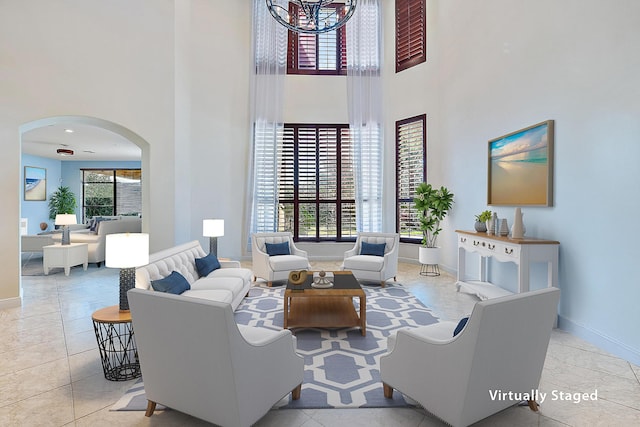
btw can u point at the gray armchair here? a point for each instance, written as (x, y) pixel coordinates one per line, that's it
(502, 347)
(197, 360)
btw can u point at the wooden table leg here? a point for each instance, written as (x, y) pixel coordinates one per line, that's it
(363, 315)
(286, 311)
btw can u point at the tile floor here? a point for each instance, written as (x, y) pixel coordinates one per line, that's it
(50, 373)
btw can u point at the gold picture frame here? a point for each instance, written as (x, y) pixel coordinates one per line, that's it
(520, 167)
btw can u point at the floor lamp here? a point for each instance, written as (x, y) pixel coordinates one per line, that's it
(126, 251)
(213, 228)
(65, 220)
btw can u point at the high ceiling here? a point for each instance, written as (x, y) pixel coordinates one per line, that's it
(87, 142)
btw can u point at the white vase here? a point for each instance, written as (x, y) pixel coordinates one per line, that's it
(517, 230)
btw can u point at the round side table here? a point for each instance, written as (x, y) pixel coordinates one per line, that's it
(116, 343)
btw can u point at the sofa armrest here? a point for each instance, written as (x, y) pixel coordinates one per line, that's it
(229, 263)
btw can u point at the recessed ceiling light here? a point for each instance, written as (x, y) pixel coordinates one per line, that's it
(68, 130)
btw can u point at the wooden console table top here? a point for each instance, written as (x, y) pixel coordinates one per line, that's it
(524, 241)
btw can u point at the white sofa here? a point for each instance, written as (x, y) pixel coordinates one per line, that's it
(97, 240)
(35, 243)
(195, 359)
(229, 284)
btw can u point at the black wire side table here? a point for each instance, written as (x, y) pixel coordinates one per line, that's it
(116, 342)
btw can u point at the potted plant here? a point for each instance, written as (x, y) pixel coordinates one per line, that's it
(481, 221)
(432, 205)
(62, 201)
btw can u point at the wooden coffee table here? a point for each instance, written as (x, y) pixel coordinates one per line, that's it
(308, 307)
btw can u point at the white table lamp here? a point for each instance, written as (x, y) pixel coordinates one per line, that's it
(213, 228)
(126, 251)
(65, 220)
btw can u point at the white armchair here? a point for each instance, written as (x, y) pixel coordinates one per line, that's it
(275, 268)
(197, 360)
(371, 267)
(502, 348)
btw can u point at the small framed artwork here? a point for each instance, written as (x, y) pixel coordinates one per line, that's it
(35, 183)
(520, 170)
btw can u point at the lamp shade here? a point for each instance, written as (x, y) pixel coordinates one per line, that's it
(66, 219)
(126, 250)
(213, 227)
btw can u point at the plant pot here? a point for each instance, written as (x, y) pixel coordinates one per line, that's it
(480, 227)
(429, 256)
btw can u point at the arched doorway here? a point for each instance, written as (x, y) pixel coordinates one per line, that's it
(121, 132)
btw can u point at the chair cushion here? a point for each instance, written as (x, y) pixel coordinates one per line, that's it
(232, 284)
(207, 264)
(220, 295)
(375, 249)
(288, 263)
(274, 249)
(364, 262)
(461, 324)
(243, 273)
(175, 283)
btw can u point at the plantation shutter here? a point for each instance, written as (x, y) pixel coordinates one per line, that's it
(410, 172)
(411, 29)
(324, 53)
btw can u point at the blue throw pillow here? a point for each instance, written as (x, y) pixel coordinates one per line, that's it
(207, 264)
(94, 223)
(376, 249)
(175, 283)
(461, 324)
(278, 248)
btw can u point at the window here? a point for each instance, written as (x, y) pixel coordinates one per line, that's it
(316, 188)
(411, 31)
(111, 192)
(411, 170)
(324, 53)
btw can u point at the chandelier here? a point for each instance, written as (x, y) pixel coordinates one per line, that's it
(312, 16)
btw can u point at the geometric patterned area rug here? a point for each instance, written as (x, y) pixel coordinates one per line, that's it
(341, 367)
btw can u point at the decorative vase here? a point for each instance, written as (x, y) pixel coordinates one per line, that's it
(44, 226)
(517, 230)
(504, 228)
(428, 256)
(480, 227)
(495, 224)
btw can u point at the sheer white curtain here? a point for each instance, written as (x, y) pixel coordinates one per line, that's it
(364, 85)
(267, 87)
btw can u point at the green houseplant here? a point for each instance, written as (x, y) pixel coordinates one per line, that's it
(432, 205)
(481, 221)
(62, 201)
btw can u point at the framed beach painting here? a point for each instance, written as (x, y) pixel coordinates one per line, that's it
(35, 183)
(521, 167)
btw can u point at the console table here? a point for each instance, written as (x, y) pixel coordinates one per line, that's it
(522, 252)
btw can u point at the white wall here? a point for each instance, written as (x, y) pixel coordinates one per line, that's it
(503, 65)
(493, 67)
(116, 61)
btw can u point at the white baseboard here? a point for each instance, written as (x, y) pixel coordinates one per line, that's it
(596, 338)
(10, 303)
